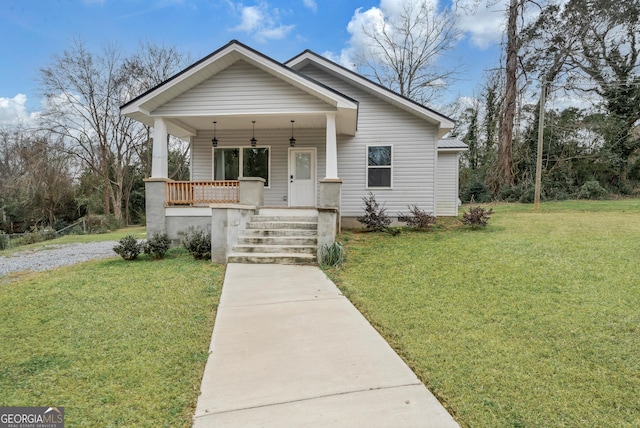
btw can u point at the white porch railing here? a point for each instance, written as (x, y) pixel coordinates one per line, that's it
(195, 193)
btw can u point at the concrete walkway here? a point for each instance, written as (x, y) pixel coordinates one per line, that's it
(288, 350)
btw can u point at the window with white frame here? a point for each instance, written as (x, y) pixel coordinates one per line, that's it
(379, 166)
(232, 163)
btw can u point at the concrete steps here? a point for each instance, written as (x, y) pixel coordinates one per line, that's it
(279, 236)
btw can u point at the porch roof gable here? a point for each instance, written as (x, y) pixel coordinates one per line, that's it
(142, 107)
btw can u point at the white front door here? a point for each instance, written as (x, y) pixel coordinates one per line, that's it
(302, 177)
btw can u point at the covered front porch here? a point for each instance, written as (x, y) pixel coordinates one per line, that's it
(249, 167)
(236, 172)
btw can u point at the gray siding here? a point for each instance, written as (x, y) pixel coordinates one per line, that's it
(277, 140)
(414, 152)
(242, 88)
(447, 184)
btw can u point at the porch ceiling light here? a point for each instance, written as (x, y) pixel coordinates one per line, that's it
(214, 141)
(254, 142)
(292, 141)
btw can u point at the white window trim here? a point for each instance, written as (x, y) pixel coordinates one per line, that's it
(241, 154)
(367, 166)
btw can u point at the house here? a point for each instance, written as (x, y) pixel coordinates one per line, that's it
(307, 133)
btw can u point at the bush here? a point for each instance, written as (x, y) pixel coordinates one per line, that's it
(476, 217)
(158, 245)
(128, 247)
(4, 240)
(592, 190)
(510, 193)
(198, 243)
(558, 194)
(475, 191)
(332, 255)
(418, 219)
(528, 195)
(35, 236)
(375, 217)
(96, 224)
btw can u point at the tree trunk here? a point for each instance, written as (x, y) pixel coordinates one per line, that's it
(505, 169)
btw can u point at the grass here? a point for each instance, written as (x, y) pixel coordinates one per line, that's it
(531, 322)
(116, 343)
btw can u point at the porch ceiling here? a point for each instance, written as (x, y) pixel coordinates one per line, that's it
(186, 126)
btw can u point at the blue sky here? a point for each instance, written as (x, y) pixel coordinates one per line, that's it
(33, 31)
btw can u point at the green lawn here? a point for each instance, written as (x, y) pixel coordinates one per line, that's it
(116, 343)
(531, 322)
(138, 231)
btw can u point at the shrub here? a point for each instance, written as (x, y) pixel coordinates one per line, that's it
(35, 236)
(510, 193)
(96, 224)
(528, 195)
(418, 219)
(128, 247)
(198, 243)
(4, 240)
(158, 245)
(375, 217)
(475, 191)
(592, 190)
(332, 255)
(476, 217)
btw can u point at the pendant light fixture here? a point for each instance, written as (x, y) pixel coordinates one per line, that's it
(214, 141)
(292, 141)
(254, 142)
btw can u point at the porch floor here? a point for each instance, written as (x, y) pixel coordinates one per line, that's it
(288, 349)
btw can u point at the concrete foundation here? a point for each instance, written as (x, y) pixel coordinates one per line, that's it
(329, 211)
(154, 205)
(178, 225)
(227, 222)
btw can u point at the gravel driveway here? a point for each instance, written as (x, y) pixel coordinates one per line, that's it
(56, 256)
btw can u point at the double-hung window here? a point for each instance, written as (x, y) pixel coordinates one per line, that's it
(231, 163)
(379, 166)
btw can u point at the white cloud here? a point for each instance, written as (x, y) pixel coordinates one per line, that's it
(262, 21)
(251, 18)
(370, 18)
(484, 22)
(13, 111)
(344, 58)
(311, 4)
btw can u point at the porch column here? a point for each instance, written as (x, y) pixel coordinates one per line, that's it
(160, 154)
(331, 148)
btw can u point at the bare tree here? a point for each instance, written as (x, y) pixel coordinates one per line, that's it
(85, 91)
(36, 182)
(82, 92)
(402, 53)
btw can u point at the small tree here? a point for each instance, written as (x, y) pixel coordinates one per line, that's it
(375, 217)
(418, 219)
(476, 217)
